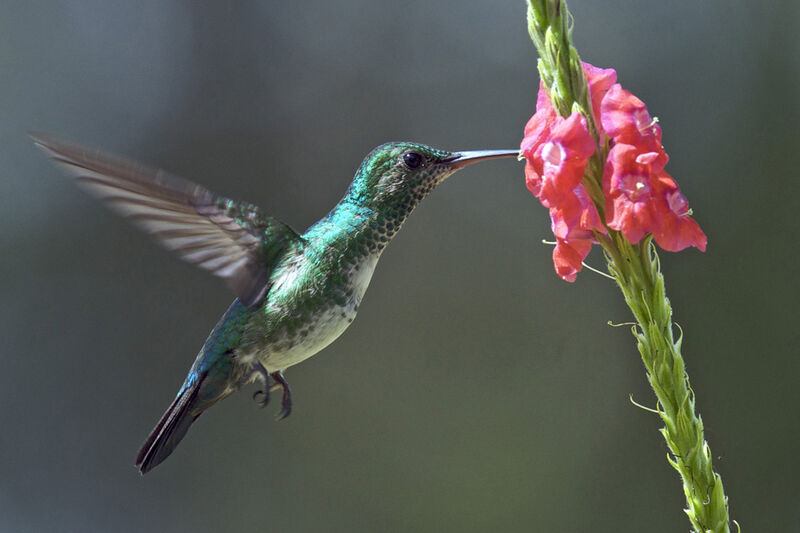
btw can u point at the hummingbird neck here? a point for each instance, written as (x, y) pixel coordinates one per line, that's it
(355, 229)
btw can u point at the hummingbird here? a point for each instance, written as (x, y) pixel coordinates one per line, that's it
(295, 293)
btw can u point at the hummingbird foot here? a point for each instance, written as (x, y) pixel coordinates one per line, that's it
(286, 398)
(261, 396)
(259, 369)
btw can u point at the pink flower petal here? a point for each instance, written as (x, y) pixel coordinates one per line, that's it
(568, 257)
(599, 81)
(563, 158)
(678, 232)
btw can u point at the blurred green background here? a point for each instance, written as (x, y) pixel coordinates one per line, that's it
(476, 391)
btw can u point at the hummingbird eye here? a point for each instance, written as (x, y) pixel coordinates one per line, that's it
(412, 159)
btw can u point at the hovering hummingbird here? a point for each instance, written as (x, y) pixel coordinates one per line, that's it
(296, 293)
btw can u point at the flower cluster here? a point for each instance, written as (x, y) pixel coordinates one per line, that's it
(640, 197)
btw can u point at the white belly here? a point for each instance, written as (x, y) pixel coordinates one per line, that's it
(325, 327)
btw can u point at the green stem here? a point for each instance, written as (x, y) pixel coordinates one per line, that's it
(637, 272)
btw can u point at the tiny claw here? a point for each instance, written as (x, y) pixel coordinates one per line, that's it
(286, 410)
(265, 400)
(286, 397)
(258, 368)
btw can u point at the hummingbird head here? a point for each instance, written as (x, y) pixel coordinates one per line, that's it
(396, 176)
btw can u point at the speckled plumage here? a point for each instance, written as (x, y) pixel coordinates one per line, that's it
(296, 293)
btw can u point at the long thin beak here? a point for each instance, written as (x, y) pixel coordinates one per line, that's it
(462, 159)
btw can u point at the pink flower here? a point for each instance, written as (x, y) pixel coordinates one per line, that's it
(628, 193)
(568, 258)
(677, 230)
(573, 222)
(576, 217)
(640, 197)
(626, 120)
(557, 150)
(559, 162)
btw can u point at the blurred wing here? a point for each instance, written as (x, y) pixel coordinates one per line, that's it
(230, 239)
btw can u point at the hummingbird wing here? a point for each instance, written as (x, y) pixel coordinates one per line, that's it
(233, 240)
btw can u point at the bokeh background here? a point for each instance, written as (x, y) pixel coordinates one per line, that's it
(476, 391)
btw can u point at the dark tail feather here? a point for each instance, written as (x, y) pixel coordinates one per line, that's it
(170, 429)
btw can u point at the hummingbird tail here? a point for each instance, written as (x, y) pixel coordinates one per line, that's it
(171, 429)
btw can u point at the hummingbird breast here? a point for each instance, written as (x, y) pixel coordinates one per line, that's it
(308, 307)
